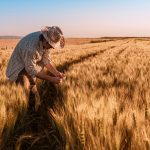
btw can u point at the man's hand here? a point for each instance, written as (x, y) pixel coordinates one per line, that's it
(54, 71)
(61, 75)
(56, 80)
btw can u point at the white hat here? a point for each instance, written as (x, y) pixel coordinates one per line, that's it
(54, 36)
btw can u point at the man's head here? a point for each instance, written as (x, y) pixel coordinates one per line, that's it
(45, 44)
(53, 37)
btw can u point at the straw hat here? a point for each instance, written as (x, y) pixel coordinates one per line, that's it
(54, 36)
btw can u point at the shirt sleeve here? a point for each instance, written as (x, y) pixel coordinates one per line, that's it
(31, 64)
(46, 59)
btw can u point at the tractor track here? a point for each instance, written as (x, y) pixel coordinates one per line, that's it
(66, 65)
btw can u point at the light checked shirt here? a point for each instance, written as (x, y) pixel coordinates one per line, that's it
(28, 54)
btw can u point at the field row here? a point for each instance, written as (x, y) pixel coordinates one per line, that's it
(102, 104)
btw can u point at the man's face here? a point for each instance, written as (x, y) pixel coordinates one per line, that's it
(46, 45)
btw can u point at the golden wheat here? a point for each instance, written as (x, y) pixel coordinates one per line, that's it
(102, 104)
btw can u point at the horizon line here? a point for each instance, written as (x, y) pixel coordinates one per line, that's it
(18, 36)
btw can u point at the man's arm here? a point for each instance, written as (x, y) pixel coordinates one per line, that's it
(51, 68)
(44, 76)
(34, 71)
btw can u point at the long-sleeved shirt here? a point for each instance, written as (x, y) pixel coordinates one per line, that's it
(28, 54)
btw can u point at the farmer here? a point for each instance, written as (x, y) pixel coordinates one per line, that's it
(29, 58)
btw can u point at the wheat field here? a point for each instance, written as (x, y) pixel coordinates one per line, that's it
(104, 103)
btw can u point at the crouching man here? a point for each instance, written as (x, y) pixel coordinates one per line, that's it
(29, 58)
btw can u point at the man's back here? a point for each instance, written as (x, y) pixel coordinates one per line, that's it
(26, 46)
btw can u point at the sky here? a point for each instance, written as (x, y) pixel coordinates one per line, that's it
(76, 18)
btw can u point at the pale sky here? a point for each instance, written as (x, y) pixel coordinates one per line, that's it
(77, 18)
